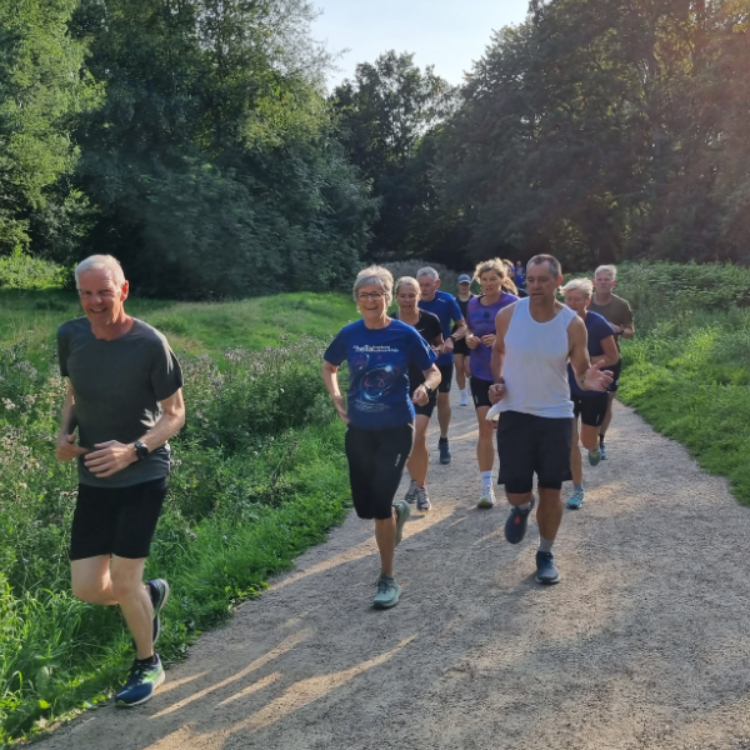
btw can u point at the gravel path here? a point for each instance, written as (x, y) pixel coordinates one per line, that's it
(642, 645)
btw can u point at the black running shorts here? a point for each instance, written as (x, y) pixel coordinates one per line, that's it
(461, 347)
(529, 445)
(429, 407)
(446, 375)
(615, 370)
(116, 520)
(480, 391)
(592, 408)
(376, 463)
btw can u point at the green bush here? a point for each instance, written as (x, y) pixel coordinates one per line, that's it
(20, 271)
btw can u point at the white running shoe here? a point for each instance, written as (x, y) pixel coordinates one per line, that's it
(487, 499)
(493, 413)
(464, 398)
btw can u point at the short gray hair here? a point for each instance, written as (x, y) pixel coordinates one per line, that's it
(428, 271)
(375, 275)
(610, 268)
(554, 264)
(102, 263)
(406, 280)
(579, 285)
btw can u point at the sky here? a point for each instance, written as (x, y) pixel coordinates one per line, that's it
(448, 34)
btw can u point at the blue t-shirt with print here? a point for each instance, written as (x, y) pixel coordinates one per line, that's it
(378, 359)
(446, 307)
(598, 329)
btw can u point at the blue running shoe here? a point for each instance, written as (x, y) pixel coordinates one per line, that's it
(445, 454)
(517, 523)
(595, 456)
(546, 572)
(388, 593)
(141, 684)
(602, 450)
(158, 590)
(575, 501)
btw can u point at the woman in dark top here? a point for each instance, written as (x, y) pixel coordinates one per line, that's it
(428, 325)
(460, 349)
(379, 411)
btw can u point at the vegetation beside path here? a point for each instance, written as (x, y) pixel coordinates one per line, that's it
(687, 371)
(259, 476)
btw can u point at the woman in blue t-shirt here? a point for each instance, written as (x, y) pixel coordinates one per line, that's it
(498, 291)
(590, 406)
(379, 411)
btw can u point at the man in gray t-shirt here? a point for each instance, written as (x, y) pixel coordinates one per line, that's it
(124, 400)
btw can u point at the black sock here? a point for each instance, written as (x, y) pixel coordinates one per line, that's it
(149, 661)
(601, 438)
(442, 440)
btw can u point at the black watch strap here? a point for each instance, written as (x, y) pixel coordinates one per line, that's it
(140, 450)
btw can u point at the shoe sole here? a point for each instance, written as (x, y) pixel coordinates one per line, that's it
(383, 605)
(548, 581)
(157, 614)
(486, 504)
(405, 511)
(424, 508)
(573, 507)
(159, 681)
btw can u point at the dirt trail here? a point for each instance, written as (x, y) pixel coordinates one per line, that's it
(642, 645)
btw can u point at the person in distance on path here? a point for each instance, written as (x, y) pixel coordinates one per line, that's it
(616, 311)
(428, 326)
(379, 412)
(443, 305)
(536, 338)
(460, 348)
(124, 398)
(590, 406)
(498, 291)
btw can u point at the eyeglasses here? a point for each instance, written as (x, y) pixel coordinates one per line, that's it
(374, 296)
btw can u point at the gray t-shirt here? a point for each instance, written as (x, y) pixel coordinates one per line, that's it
(118, 385)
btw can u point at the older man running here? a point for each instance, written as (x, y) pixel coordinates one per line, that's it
(536, 338)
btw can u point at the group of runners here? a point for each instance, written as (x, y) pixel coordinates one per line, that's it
(526, 356)
(536, 365)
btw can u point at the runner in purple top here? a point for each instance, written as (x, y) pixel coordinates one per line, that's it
(498, 291)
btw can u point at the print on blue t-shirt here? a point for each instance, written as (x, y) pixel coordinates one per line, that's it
(598, 329)
(378, 358)
(443, 305)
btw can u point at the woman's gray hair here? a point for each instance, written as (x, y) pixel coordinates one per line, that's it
(378, 275)
(579, 285)
(410, 280)
(102, 263)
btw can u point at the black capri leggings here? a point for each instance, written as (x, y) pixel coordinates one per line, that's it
(376, 463)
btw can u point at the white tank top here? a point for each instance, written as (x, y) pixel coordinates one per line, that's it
(535, 368)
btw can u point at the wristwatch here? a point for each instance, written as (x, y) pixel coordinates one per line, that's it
(429, 390)
(140, 450)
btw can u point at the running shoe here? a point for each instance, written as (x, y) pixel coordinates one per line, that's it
(445, 454)
(487, 498)
(423, 502)
(158, 590)
(411, 493)
(546, 571)
(575, 501)
(464, 399)
(141, 684)
(595, 456)
(602, 451)
(402, 514)
(388, 593)
(517, 523)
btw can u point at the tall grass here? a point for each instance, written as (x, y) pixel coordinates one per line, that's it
(688, 369)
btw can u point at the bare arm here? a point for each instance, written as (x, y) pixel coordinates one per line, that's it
(458, 334)
(611, 354)
(331, 383)
(502, 321)
(113, 456)
(589, 377)
(67, 450)
(432, 378)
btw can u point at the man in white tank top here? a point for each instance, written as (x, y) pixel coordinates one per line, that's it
(536, 337)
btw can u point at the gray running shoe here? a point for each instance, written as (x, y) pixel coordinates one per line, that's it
(423, 502)
(575, 501)
(411, 493)
(595, 456)
(546, 570)
(402, 514)
(158, 590)
(388, 593)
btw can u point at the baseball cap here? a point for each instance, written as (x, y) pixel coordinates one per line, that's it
(464, 278)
